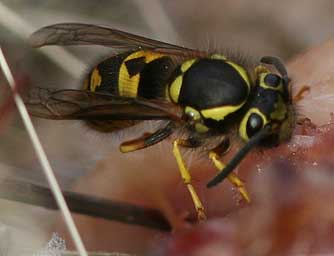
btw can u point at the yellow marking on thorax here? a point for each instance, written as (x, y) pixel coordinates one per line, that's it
(128, 86)
(242, 71)
(95, 80)
(200, 127)
(192, 112)
(218, 57)
(219, 113)
(187, 64)
(175, 87)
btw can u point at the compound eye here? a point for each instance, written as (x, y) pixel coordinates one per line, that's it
(272, 80)
(254, 124)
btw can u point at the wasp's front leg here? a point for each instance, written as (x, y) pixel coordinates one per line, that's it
(214, 155)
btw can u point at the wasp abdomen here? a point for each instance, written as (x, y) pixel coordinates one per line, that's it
(104, 77)
(142, 74)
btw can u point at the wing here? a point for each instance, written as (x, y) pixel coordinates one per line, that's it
(85, 105)
(88, 34)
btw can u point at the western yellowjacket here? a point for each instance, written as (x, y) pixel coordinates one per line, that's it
(208, 95)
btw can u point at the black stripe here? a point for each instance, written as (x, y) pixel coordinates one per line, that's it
(109, 71)
(154, 78)
(134, 66)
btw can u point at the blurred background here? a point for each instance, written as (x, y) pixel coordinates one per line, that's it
(254, 28)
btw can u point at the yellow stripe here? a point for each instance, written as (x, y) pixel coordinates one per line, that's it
(95, 79)
(218, 57)
(219, 113)
(174, 89)
(187, 64)
(128, 86)
(201, 128)
(243, 73)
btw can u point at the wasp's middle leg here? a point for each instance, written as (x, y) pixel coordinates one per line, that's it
(214, 155)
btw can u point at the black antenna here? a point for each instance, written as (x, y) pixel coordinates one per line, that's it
(255, 140)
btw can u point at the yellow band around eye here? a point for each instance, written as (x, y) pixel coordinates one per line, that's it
(266, 86)
(243, 124)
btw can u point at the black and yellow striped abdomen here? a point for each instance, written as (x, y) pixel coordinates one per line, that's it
(143, 74)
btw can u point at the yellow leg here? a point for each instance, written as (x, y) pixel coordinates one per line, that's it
(187, 180)
(233, 178)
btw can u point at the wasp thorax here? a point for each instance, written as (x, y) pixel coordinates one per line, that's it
(214, 88)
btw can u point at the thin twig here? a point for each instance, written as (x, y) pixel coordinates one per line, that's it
(42, 158)
(33, 194)
(72, 253)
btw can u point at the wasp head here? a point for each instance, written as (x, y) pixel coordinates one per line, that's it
(269, 105)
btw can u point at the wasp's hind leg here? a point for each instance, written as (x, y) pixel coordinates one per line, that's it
(214, 155)
(186, 175)
(148, 139)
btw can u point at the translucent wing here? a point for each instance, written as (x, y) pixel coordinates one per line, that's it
(88, 34)
(85, 105)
